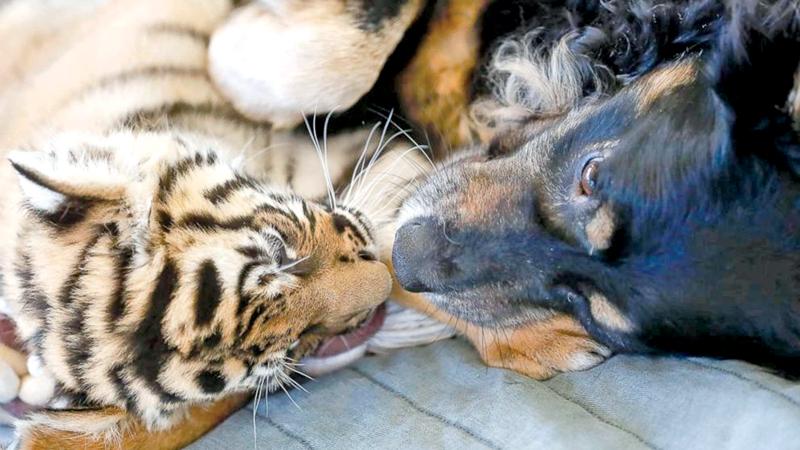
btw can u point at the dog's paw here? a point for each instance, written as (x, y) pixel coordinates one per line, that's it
(540, 350)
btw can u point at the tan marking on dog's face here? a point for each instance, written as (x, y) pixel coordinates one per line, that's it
(481, 197)
(607, 314)
(600, 229)
(487, 191)
(664, 81)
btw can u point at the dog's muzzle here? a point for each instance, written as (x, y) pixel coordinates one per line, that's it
(416, 254)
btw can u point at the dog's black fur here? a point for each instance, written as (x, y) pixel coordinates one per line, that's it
(699, 172)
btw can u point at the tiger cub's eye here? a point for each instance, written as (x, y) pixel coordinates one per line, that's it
(589, 176)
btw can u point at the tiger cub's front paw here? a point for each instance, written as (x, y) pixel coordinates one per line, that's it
(278, 60)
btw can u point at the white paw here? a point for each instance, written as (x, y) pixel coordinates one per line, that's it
(276, 64)
(37, 390)
(36, 366)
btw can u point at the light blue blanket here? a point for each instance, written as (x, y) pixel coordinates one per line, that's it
(442, 397)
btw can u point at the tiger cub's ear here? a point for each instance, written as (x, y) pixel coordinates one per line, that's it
(47, 178)
(51, 180)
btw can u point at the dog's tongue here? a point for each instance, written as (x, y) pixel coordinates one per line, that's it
(345, 342)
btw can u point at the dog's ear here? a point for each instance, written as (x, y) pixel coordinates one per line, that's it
(678, 140)
(755, 64)
(757, 73)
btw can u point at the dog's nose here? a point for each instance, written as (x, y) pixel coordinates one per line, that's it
(415, 246)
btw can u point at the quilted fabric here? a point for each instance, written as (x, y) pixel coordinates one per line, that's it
(441, 396)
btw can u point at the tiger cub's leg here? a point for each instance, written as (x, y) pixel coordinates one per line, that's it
(114, 428)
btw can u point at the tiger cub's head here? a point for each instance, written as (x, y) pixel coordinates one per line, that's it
(149, 272)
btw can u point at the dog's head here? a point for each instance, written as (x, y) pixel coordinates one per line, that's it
(606, 200)
(496, 225)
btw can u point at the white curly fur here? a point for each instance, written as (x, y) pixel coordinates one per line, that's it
(526, 80)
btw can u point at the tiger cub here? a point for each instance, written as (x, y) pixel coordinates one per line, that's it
(158, 252)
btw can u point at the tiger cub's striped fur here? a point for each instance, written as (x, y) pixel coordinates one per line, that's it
(159, 253)
(149, 283)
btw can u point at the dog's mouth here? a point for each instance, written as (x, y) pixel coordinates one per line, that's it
(341, 350)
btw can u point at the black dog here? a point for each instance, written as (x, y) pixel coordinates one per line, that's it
(643, 178)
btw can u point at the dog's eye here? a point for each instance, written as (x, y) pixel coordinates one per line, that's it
(589, 176)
